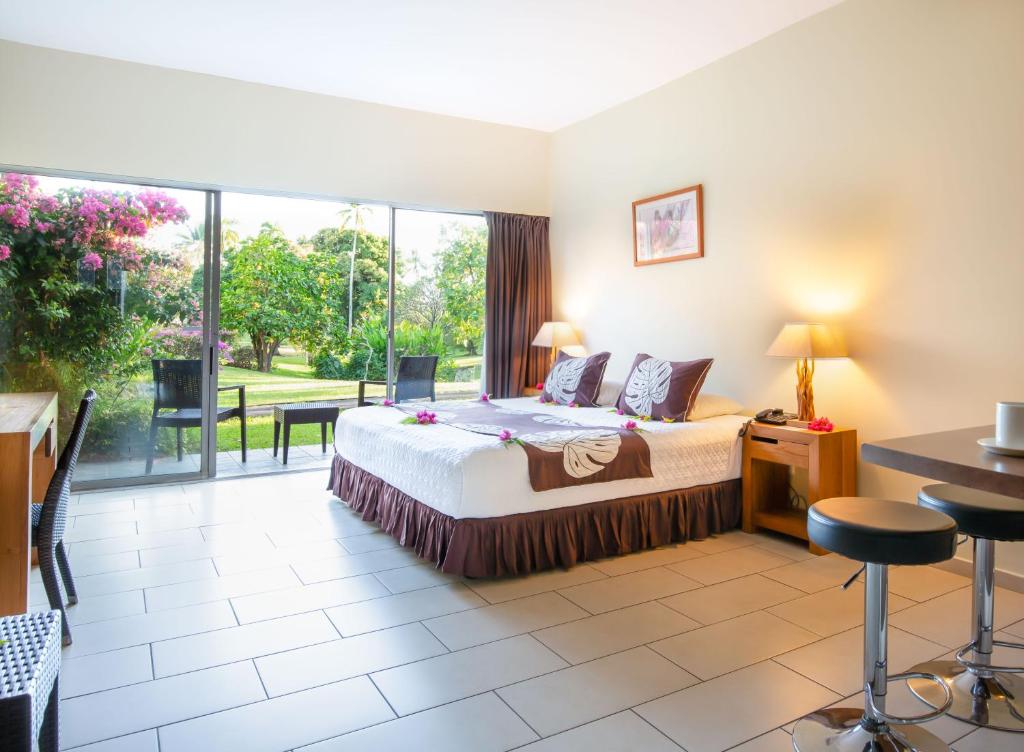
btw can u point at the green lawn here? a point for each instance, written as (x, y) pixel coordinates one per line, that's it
(260, 434)
(291, 380)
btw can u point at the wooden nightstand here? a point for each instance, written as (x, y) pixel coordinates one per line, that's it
(769, 452)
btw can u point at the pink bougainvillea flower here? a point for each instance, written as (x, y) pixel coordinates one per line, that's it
(5, 252)
(485, 397)
(505, 435)
(541, 399)
(147, 351)
(540, 385)
(630, 425)
(92, 261)
(425, 417)
(388, 403)
(620, 411)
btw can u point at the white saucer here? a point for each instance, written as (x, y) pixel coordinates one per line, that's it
(991, 445)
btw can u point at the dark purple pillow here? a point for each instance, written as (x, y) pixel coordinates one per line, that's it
(576, 379)
(663, 388)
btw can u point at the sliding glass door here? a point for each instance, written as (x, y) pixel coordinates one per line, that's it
(102, 287)
(440, 267)
(303, 289)
(205, 319)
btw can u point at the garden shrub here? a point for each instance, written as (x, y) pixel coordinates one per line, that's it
(367, 354)
(328, 366)
(244, 357)
(63, 260)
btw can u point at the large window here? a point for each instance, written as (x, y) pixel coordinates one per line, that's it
(100, 282)
(186, 310)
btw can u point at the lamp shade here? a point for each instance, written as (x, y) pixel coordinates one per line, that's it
(555, 334)
(802, 340)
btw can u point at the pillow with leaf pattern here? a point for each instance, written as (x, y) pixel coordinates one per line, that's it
(663, 389)
(575, 380)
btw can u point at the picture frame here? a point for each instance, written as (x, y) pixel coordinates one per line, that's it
(669, 226)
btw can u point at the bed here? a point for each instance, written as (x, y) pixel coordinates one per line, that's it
(464, 500)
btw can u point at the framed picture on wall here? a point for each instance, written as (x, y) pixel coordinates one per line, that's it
(668, 227)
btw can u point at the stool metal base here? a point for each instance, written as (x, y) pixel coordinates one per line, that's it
(842, 730)
(996, 703)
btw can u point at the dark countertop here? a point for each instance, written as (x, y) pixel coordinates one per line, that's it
(952, 457)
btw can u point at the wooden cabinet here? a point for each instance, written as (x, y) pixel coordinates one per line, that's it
(769, 455)
(28, 457)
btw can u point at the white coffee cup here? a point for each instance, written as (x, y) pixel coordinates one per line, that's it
(1010, 425)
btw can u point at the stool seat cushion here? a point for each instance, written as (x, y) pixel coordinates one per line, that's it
(880, 531)
(979, 514)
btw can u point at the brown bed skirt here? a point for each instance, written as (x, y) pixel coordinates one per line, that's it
(533, 541)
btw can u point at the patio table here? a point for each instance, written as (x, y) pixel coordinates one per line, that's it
(304, 412)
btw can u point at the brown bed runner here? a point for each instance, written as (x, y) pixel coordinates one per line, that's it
(559, 452)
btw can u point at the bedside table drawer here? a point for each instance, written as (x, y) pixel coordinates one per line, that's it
(779, 450)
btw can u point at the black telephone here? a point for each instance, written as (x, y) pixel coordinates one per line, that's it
(774, 416)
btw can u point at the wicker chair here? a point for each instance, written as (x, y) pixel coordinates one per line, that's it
(178, 387)
(49, 518)
(30, 682)
(415, 380)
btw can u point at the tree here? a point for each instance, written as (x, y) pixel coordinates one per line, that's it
(421, 303)
(330, 270)
(460, 274)
(267, 291)
(354, 214)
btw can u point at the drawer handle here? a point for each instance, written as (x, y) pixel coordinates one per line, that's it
(765, 439)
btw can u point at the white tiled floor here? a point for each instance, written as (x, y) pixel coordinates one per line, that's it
(261, 614)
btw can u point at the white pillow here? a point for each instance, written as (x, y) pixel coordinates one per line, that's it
(710, 405)
(608, 394)
(705, 406)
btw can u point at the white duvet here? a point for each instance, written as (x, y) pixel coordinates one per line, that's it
(464, 474)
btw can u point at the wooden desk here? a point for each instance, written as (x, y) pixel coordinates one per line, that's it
(952, 457)
(769, 452)
(28, 457)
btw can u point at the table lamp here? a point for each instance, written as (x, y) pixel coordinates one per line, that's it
(805, 342)
(556, 335)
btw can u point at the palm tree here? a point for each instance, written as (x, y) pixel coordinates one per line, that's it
(193, 236)
(354, 214)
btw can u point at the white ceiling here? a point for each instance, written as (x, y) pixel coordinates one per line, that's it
(535, 63)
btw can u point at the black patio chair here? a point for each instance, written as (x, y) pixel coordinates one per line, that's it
(177, 387)
(415, 380)
(49, 518)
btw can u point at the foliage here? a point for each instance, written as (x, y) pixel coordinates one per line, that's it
(422, 303)
(367, 358)
(62, 260)
(461, 271)
(328, 366)
(165, 288)
(329, 264)
(268, 292)
(244, 357)
(185, 344)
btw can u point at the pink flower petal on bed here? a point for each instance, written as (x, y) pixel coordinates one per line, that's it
(485, 397)
(388, 403)
(505, 435)
(630, 425)
(620, 411)
(540, 385)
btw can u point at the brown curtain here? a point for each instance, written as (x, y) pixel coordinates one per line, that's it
(518, 301)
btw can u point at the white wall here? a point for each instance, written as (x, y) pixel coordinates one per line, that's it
(77, 112)
(864, 167)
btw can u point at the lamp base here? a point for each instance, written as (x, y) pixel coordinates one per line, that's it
(805, 389)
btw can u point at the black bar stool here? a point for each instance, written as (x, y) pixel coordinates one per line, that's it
(983, 694)
(879, 533)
